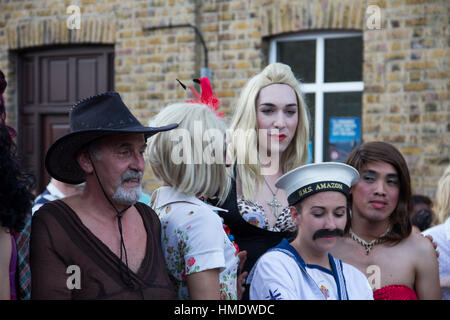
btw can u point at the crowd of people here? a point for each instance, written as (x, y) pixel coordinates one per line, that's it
(239, 215)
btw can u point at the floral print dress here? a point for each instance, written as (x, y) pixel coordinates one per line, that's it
(193, 240)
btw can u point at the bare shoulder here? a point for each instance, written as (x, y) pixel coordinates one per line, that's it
(426, 267)
(418, 245)
(5, 246)
(5, 235)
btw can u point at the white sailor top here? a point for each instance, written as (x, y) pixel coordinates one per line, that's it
(281, 274)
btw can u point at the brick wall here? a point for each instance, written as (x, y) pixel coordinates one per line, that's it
(405, 67)
(406, 76)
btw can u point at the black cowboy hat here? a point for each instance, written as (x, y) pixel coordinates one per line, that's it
(91, 119)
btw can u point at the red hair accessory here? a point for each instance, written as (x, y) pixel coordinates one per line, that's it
(207, 97)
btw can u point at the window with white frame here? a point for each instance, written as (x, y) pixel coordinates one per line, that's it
(329, 65)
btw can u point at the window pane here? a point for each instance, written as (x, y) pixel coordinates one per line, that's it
(343, 59)
(342, 124)
(301, 57)
(310, 100)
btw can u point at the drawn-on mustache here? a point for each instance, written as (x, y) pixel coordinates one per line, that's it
(328, 233)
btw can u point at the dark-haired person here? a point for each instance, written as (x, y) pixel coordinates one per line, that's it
(400, 264)
(422, 215)
(15, 203)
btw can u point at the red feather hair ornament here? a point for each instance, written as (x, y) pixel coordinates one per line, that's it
(207, 95)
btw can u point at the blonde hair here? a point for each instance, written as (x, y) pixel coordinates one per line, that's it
(442, 203)
(198, 128)
(244, 120)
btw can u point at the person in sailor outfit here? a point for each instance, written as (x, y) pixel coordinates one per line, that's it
(302, 268)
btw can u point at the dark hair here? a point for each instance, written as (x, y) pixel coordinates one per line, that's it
(422, 219)
(418, 198)
(16, 198)
(384, 152)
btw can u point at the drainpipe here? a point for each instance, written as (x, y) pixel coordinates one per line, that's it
(205, 71)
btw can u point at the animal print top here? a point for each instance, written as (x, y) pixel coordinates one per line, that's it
(253, 213)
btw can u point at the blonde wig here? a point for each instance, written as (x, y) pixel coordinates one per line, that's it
(190, 158)
(244, 127)
(442, 203)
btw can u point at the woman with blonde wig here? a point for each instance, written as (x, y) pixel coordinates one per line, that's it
(441, 232)
(268, 137)
(189, 161)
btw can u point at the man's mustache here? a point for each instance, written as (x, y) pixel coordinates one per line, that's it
(131, 174)
(328, 233)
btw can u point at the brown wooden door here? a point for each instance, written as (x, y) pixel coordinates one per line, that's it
(50, 81)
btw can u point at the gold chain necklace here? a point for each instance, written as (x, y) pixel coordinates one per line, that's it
(368, 245)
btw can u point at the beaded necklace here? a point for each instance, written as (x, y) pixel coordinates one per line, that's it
(368, 245)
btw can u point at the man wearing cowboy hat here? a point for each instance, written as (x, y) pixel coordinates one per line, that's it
(102, 243)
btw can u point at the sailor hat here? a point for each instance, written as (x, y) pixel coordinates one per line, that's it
(309, 179)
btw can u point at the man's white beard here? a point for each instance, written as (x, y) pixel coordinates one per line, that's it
(128, 196)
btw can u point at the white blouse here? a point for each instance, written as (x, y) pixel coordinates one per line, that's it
(441, 235)
(193, 240)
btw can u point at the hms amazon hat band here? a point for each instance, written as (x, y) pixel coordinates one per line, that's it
(316, 187)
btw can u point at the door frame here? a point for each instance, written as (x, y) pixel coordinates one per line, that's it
(38, 109)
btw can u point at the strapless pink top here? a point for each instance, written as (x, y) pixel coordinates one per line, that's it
(395, 292)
